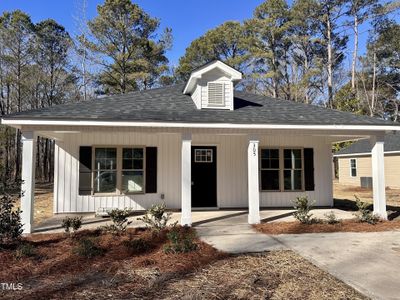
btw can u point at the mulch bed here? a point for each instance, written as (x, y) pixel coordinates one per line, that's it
(344, 226)
(56, 272)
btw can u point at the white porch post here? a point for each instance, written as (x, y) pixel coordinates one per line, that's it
(186, 180)
(378, 175)
(28, 179)
(253, 182)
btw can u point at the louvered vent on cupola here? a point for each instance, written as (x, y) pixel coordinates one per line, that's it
(212, 86)
(216, 94)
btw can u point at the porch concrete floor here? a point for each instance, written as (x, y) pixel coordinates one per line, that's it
(203, 219)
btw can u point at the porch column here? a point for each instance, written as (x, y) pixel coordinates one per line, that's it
(186, 180)
(253, 182)
(28, 179)
(378, 176)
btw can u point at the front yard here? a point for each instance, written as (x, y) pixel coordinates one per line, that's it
(53, 269)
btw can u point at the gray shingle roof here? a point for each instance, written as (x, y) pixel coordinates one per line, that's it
(170, 105)
(392, 143)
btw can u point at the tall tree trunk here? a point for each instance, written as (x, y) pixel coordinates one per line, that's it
(330, 63)
(373, 96)
(355, 51)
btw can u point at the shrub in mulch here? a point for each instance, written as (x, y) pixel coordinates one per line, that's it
(122, 260)
(344, 226)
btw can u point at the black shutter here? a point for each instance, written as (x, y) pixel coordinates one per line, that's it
(151, 170)
(85, 170)
(309, 169)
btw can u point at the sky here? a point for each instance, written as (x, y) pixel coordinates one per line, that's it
(187, 21)
(177, 14)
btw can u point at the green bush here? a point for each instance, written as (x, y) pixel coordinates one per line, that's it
(331, 218)
(137, 246)
(25, 250)
(68, 222)
(156, 217)
(119, 217)
(181, 240)
(364, 214)
(10, 220)
(88, 247)
(303, 207)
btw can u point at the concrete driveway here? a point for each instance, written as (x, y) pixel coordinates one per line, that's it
(370, 262)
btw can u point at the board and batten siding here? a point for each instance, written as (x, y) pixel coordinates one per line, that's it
(364, 169)
(231, 170)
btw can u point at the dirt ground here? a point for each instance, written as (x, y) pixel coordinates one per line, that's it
(344, 226)
(347, 192)
(43, 206)
(56, 272)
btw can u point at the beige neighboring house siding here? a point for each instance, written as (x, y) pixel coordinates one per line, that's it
(392, 170)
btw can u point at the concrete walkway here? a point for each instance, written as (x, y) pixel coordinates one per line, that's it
(369, 262)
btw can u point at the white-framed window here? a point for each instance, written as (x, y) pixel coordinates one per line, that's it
(353, 167)
(132, 170)
(293, 169)
(105, 170)
(118, 170)
(270, 173)
(203, 155)
(282, 169)
(216, 94)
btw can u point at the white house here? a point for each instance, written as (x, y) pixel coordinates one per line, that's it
(196, 146)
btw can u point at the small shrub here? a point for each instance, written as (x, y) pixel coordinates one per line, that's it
(331, 218)
(364, 214)
(69, 223)
(10, 220)
(88, 247)
(25, 250)
(119, 217)
(156, 217)
(303, 207)
(181, 240)
(137, 246)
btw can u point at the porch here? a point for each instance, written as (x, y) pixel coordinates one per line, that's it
(238, 161)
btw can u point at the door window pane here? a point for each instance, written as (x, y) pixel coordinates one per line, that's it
(203, 155)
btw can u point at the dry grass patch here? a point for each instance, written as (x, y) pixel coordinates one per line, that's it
(271, 275)
(344, 226)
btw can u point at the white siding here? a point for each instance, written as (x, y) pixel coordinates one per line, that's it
(231, 170)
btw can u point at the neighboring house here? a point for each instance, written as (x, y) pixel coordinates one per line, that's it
(201, 145)
(355, 165)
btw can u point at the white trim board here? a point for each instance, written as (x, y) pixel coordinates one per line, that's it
(363, 154)
(17, 122)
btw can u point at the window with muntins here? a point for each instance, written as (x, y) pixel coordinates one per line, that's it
(105, 170)
(203, 155)
(216, 94)
(293, 169)
(353, 167)
(132, 170)
(270, 169)
(281, 169)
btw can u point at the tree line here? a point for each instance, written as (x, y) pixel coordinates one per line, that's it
(293, 51)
